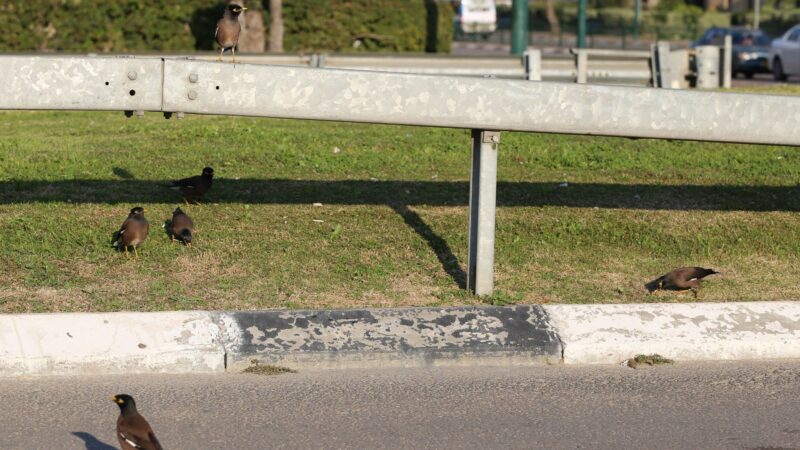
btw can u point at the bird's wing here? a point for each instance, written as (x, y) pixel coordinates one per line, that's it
(186, 182)
(154, 440)
(125, 225)
(118, 234)
(137, 432)
(693, 273)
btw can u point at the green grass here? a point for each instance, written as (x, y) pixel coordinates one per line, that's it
(392, 228)
(649, 360)
(265, 369)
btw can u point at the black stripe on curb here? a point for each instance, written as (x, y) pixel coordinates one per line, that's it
(405, 336)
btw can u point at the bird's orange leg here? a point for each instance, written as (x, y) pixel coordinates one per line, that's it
(135, 252)
(127, 255)
(221, 51)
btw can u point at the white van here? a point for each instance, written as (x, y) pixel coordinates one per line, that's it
(477, 16)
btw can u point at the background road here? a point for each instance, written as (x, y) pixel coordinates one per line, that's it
(734, 405)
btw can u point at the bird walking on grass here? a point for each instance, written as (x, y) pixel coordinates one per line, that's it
(132, 232)
(682, 279)
(133, 431)
(194, 188)
(182, 227)
(228, 30)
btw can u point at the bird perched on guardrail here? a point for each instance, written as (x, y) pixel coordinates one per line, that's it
(682, 279)
(194, 188)
(228, 30)
(132, 232)
(182, 227)
(133, 431)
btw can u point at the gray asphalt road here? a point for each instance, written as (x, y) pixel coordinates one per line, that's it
(761, 79)
(706, 406)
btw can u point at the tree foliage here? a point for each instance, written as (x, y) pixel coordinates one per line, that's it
(167, 25)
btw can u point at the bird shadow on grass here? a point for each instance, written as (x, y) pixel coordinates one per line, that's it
(124, 174)
(91, 442)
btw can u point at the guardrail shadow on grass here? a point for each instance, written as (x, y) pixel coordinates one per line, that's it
(444, 193)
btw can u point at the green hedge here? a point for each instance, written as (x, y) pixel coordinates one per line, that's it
(367, 25)
(168, 25)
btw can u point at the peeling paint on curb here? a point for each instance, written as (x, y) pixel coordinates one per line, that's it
(423, 336)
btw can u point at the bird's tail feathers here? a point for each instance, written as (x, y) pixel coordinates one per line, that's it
(116, 238)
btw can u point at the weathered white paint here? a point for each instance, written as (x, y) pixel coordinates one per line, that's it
(606, 334)
(105, 343)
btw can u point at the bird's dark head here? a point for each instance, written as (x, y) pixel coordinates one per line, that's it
(125, 402)
(208, 172)
(137, 211)
(235, 9)
(177, 211)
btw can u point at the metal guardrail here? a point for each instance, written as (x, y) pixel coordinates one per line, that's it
(194, 86)
(606, 66)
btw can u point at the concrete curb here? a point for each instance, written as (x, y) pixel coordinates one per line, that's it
(108, 343)
(607, 334)
(199, 341)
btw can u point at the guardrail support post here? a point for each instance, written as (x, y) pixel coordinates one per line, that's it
(482, 206)
(707, 67)
(727, 62)
(660, 65)
(581, 66)
(532, 61)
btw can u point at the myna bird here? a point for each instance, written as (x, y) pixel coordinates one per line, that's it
(228, 29)
(194, 188)
(182, 227)
(133, 231)
(682, 279)
(133, 431)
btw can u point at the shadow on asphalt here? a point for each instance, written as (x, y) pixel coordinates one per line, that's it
(91, 442)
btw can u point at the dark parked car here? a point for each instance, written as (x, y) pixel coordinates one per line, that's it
(750, 48)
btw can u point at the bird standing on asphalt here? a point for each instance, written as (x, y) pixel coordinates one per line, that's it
(182, 227)
(193, 188)
(682, 279)
(132, 232)
(133, 431)
(228, 29)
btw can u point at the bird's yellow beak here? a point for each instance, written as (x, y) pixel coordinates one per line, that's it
(244, 9)
(114, 399)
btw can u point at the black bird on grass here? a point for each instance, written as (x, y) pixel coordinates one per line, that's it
(194, 188)
(182, 227)
(228, 30)
(132, 232)
(133, 431)
(682, 279)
